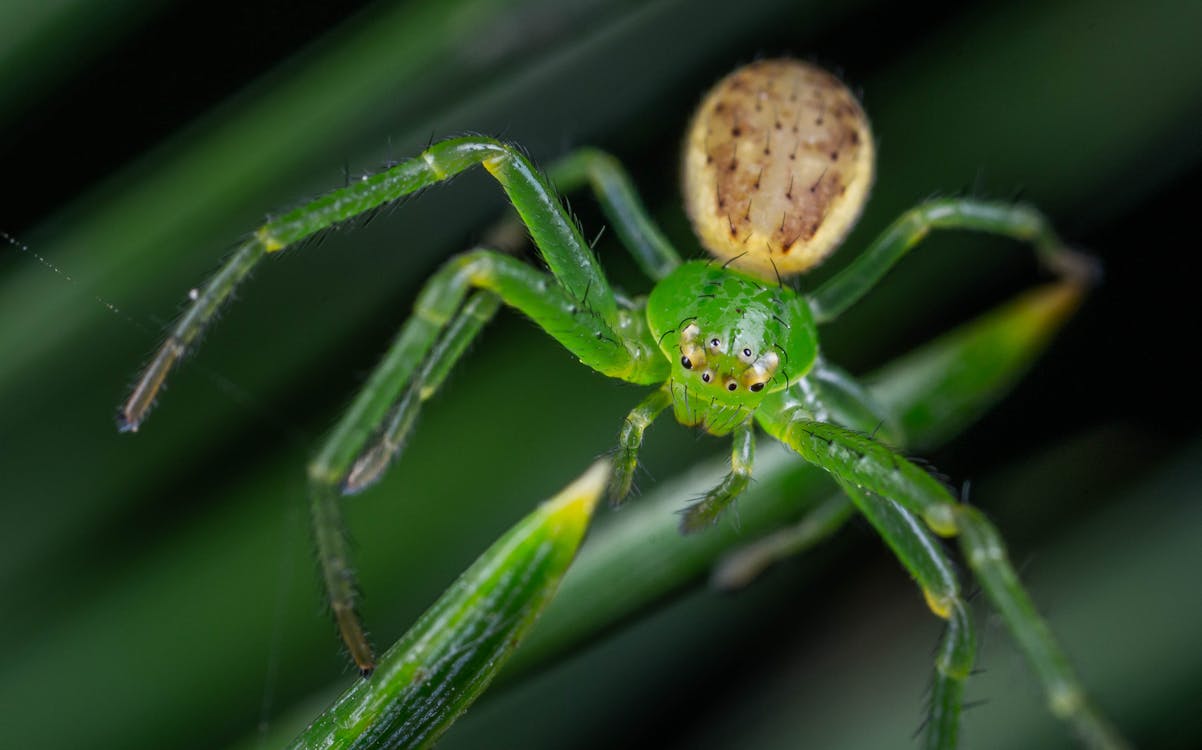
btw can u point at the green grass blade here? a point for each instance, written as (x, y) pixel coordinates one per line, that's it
(443, 663)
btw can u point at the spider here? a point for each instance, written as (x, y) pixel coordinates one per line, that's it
(778, 163)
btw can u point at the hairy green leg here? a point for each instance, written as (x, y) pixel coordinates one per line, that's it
(629, 440)
(329, 532)
(849, 403)
(857, 460)
(701, 514)
(207, 301)
(586, 167)
(986, 554)
(436, 315)
(1008, 220)
(371, 464)
(555, 234)
(621, 204)
(926, 562)
(333, 556)
(832, 394)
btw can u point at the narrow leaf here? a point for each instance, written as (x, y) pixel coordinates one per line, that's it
(435, 671)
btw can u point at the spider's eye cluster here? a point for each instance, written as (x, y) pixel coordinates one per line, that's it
(777, 166)
(707, 355)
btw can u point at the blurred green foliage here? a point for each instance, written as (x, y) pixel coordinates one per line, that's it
(159, 589)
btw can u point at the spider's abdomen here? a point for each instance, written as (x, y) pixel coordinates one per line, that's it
(777, 166)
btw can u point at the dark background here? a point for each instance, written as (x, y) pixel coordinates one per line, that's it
(159, 589)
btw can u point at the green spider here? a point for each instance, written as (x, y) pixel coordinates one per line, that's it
(778, 163)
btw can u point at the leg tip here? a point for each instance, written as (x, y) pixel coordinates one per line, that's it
(694, 519)
(1078, 267)
(125, 424)
(619, 490)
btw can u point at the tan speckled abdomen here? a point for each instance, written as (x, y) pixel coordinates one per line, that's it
(777, 166)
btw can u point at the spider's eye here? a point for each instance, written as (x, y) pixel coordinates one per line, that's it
(686, 363)
(756, 387)
(715, 344)
(731, 385)
(746, 352)
(706, 377)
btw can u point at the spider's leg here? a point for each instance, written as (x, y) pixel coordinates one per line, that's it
(629, 441)
(859, 461)
(443, 323)
(655, 255)
(333, 556)
(922, 556)
(413, 361)
(555, 234)
(1018, 222)
(326, 487)
(206, 301)
(621, 204)
(828, 390)
(849, 403)
(471, 318)
(705, 511)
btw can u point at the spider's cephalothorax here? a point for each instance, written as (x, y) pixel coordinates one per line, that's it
(732, 340)
(778, 163)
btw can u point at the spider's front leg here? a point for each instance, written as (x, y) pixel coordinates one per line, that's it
(611, 185)
(576, 305)
(434, 336)
(866, 466)
(554, 233)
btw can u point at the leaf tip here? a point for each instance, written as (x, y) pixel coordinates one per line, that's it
(1042, 311)
(576, 502)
